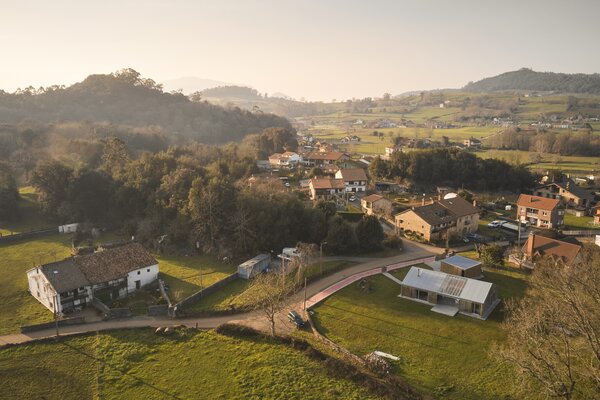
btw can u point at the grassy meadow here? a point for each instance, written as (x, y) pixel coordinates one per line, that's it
(137, 364)
(448, 358)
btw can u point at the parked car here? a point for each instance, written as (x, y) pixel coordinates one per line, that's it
(352, 198)
(296, 319)
(495, 224)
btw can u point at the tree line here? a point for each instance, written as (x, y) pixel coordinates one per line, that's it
(582, 143)
(453, 167)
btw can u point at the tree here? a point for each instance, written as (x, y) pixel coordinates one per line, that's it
(341, 238)
(115, 156)
(554, 331)
(492, 256)
(9, 196)
(51, 180)
(327, 207)
(369, 233)
(273, 290)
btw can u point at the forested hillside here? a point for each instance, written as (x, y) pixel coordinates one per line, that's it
(527, 79)
(126, 98)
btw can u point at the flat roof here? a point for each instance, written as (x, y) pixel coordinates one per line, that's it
(448, 285)
(254, 260)
(461, 262)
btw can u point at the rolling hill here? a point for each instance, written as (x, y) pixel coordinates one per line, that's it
(526, 79)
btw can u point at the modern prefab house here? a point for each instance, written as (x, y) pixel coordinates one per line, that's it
(454, 293)
(253, 266)
(461, 266)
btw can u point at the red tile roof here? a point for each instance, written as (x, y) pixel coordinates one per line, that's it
(542, 203)
(544, 246)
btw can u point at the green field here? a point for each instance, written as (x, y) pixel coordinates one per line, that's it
(137, 364)
(17, 306)
(573, 222)
(239, 294)
(446, 357)
(31, 219)
(574, 164)
(187, 275)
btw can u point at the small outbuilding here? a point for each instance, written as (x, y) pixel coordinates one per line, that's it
(461, 266)
(450, 294)
(255, 265)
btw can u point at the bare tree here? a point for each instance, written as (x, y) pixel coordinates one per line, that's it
(273, 291)
(554, 332)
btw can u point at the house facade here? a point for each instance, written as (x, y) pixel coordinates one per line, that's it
(596, 214)
(355, 179)
(376, 204)
(569, 194)
(326, 188)
(287, 159)
(467, 296)
(72, 283)
(322, 158)
(439, 220)
(541, 212)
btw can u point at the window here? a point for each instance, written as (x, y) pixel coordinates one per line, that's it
(148, 270)
(139, 272)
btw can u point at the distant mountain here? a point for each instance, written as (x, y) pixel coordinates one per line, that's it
(191, 84)
(528, 80)
(126, 98)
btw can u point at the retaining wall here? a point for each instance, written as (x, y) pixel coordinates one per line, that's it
(52, 324)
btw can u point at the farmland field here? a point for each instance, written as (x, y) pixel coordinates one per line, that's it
(137, 364)
(446, 357)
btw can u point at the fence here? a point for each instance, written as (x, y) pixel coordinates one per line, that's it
(15, 237)
(52, 324)
(583, 232)
(194, 298)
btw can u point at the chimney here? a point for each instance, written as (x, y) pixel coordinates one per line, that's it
(474, 203)
(530, 246)
(423, 201)
(439, 197)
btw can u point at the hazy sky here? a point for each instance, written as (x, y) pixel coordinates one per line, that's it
(313, 49)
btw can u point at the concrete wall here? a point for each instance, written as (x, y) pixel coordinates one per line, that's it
(52, 324)
(27, 235)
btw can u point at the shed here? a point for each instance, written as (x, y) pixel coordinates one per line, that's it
(254, 265)
(461, 266)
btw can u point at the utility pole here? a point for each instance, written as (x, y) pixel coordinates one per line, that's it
(55, 314)
(305, 293)
(321, 256)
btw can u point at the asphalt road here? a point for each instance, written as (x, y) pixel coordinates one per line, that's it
(255, 319)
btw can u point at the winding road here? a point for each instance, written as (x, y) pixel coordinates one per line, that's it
(316, 291)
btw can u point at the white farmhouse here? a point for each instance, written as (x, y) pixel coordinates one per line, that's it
(72, 283)
(355, 179)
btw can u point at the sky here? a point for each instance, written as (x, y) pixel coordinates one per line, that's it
(317, 50)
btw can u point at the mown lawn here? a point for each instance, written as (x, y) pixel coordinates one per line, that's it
(17, 306)
(187, 275)
(447, 357)
(573, 222)
(240, 294)
(137, 364)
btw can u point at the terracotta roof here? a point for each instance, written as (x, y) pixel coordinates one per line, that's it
(543, 203)
(111, 264)
(327, 183)
(64, 275)
(459, 206)
(544, 246)
(433, 214)
(324, 155)
(372, 198)
(353, 174)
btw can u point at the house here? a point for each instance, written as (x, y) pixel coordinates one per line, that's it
(596, 214)
(72, 283)
(450, 294)
(326, 188)
(472, 143)
(287, 159)
(569, 194)
(376, 204)
(253, 266)
(539, 211)
(439, 220)
(461, 266)
(321, 158)
(355, 179)
(538, 246)
(349, 139)
(391, 150)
